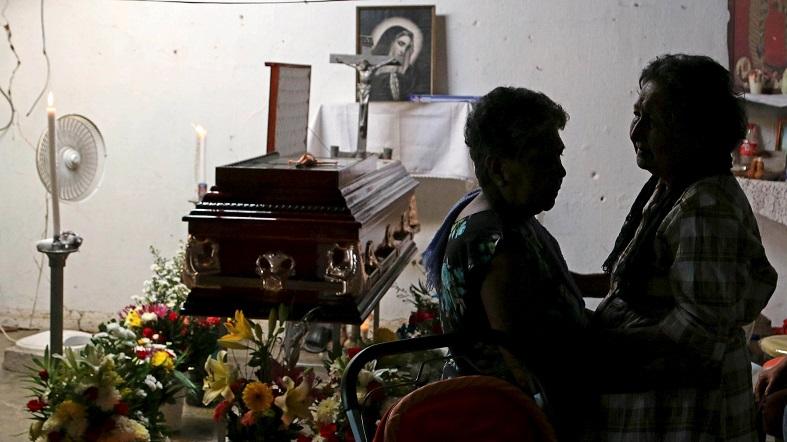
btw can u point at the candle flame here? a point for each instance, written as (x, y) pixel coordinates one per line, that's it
(50, 99)
(201, 132)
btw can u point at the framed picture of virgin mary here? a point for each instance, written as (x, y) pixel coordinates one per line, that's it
(402, 32)
(757, 42)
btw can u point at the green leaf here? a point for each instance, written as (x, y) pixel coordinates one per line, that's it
(284, 313)
(273, 317)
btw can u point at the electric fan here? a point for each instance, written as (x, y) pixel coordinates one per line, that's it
(74, 175)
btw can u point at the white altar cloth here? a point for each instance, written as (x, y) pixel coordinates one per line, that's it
(428, 138)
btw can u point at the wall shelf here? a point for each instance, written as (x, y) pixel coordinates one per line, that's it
(767, 198)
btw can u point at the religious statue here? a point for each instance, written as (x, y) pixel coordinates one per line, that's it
(363, 65)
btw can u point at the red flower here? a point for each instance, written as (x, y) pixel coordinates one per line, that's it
(352, 351)
(213, 321)
(142, 354)
(303, 438)
(237, 386)
(348, 436)
(248, 419)
(36, 405)
(437, 328)
(121, 408)
(148, 332)
(420, 316)
(44, 375)
(328, 430)
(91, 393)
(172, 316)
(218, 412)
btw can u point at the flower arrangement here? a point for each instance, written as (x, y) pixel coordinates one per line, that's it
(264, 399)
(425, 320)
(164, 287)
(155, 316)
(380, 384)
(109, 391)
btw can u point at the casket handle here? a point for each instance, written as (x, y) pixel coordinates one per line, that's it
(274, 268)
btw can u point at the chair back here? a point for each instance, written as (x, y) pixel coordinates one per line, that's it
(477, 402)
(467, 408)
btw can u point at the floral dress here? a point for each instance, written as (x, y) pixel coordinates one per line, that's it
(550, 309)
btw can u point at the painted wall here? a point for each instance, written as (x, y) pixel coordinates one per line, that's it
(144, 72)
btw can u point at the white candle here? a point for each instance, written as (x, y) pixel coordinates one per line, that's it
(201, 167)
(51, 123)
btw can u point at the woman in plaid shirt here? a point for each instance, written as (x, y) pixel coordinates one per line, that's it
(687, 271)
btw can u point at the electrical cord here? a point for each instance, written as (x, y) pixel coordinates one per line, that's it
(46, 57)
(259, 2)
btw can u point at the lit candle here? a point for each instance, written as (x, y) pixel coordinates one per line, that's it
(51, 123)
(202, 181)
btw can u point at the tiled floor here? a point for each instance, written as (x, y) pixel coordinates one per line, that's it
(197, 423)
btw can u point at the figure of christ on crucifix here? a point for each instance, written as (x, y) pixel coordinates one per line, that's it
(366, 66)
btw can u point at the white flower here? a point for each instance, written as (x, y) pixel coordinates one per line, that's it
(148, 317)
(152, 383)
(326, 411)
(140, 393)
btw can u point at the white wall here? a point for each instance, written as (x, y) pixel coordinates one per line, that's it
(143, 72)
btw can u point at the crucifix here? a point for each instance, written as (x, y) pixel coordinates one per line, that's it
(366, 66)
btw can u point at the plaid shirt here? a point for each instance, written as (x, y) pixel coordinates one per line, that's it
(716, 276)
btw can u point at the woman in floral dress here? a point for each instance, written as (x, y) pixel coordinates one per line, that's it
(495, 267)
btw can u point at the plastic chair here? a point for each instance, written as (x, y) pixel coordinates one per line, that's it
(463, 408)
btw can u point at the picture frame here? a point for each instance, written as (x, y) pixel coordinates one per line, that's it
(757, 45)
(406, 33)
(781, 134)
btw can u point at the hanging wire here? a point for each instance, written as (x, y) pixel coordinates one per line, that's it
(46, 57)
(259, 2)
(7, 95)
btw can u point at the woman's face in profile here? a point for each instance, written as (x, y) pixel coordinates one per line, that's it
(400, 47)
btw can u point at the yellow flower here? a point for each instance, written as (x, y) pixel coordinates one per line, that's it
(239, 331)
(126, 430)
(257, 396)
(218, 379)
(295, 401)
(383, 334)
(72, 418)
(133, 319)
(162, 359)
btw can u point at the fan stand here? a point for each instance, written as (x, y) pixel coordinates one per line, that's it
(57, 250)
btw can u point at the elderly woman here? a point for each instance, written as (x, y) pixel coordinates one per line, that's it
(688, 268)
(495, 267)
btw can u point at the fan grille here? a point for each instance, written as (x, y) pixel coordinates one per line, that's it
(80, 155)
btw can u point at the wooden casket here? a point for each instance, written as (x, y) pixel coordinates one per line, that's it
(328, 238)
